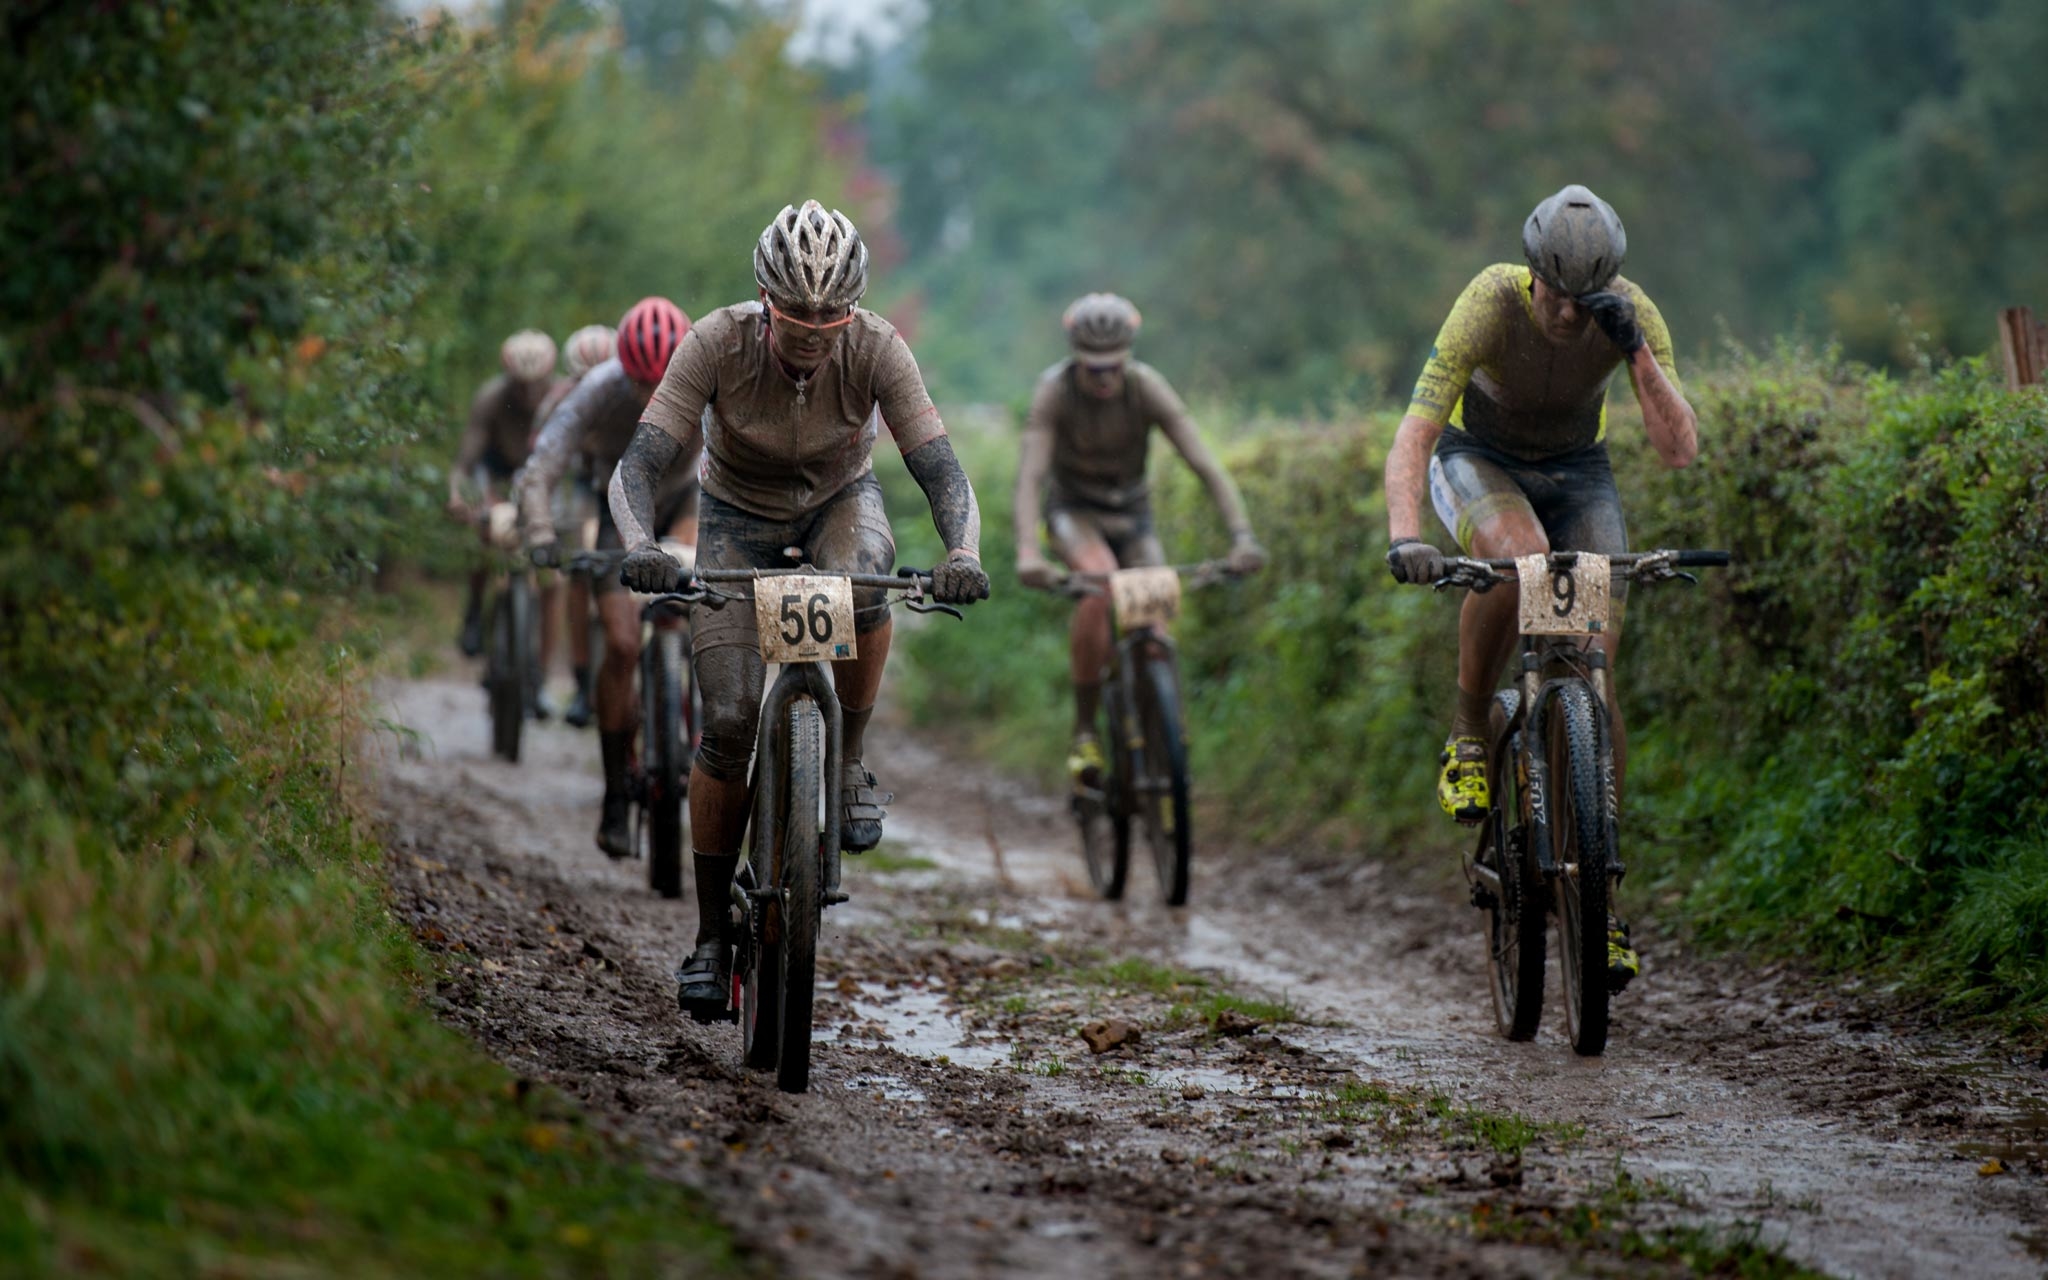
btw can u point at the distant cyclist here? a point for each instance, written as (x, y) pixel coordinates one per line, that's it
(783, 394)
(576, 505)
(1507, 430)
(599, 418)
(1085, 443)
(494, 447)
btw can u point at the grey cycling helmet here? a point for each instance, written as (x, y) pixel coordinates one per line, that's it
(811, 258)
(1101, 324)
(1574, 242)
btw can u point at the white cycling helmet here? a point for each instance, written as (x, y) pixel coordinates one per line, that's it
(590, 347)
(811, 258)
(528, 355)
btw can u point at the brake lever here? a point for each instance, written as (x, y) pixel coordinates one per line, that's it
(918, 605)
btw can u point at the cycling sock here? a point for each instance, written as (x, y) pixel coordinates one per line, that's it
(583, 680)
(714, 893)
(1087, 706)
(617, 749)
(1470, 720)
(853, 730)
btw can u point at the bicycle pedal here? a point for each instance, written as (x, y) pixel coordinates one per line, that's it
(836, 897)
(1470, 817)
(1484, 898)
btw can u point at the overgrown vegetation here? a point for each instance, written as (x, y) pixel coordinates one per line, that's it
(1833, 746)
(217, 407)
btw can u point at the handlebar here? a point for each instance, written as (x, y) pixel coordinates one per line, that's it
(1637, 566)
(1202, 573)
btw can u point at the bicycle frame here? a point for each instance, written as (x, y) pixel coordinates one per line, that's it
(1536, 695)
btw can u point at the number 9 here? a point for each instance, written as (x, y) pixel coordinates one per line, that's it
(1564, 587)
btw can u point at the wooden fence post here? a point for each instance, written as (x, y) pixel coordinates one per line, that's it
(2024, 342)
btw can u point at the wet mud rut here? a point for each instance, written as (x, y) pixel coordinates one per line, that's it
(1308, 1081)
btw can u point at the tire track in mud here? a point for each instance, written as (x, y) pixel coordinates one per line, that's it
(958, 1126)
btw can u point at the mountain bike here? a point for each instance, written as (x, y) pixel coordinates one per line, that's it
(792, 870)
(1145, 774)
(511, 652)
(1551, 842)
(670, 713)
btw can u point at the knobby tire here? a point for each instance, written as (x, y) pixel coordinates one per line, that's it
(505, 678)
(1578, 748)
(1514, 924)
(1164, 784)
(802, 837)
(1106, 823)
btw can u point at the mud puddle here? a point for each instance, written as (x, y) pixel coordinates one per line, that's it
(1310, 1083)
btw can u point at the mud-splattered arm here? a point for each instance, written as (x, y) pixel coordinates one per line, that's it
(647, 459)
(954, 510)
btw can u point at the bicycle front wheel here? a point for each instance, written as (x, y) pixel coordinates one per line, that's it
(665, 749)
(1105, 815)
(1163, 785)
(1582, 834)
(803, 838)
(505, 677)
(1508, 885)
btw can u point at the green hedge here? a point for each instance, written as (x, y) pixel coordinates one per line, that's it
(1834, 745)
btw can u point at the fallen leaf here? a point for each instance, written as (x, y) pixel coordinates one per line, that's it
(1992, 1168)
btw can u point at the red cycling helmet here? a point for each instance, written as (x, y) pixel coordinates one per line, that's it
(648, 335)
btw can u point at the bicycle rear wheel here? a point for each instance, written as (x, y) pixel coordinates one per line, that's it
(1163, 786)
(664, 749)
(1507, 884)
(505, 676)
(1578, 746)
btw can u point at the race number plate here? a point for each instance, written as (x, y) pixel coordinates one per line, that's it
(1564, 602)
(502, 526)
(1144, 597)
(804, 619)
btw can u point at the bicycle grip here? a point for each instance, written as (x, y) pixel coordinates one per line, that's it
(1703, 559)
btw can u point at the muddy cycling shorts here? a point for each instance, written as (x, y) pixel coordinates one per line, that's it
(1572, 496)
(850, 533)
(1127, 533)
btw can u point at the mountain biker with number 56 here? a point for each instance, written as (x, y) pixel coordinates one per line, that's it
(1507, 432)
(1085, 441)
(783, 392)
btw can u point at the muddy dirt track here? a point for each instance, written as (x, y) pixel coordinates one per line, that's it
(1315, 1087)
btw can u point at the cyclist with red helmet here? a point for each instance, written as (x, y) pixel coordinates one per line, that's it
(599, 417)
(782, 395)
(576, 509)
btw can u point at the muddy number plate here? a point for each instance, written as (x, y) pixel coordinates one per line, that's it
(1144, 597)
(804, 619)
(1564, 602)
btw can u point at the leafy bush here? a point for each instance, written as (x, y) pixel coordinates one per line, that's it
(1834, 745)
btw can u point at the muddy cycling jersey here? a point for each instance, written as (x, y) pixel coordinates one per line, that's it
(598, 418)
(781, 446)
(1497, 375)
(500, 428)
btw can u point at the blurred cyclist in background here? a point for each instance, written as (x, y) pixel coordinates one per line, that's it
(495, 445)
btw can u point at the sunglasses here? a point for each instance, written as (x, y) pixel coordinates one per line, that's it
(816, 326)
(1105, 369)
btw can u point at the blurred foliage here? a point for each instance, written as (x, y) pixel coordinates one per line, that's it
(1834, 746)
(1295, 192)
(255, 258)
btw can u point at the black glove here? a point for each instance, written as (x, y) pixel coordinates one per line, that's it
(959, 580)
(547, 555)
(1415, 561)
(1616, 317)
(651, 570)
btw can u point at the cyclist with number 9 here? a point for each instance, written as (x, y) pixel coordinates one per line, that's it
(783, 393)
(1507, 433)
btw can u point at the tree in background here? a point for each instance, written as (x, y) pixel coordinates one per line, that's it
(1296, 191)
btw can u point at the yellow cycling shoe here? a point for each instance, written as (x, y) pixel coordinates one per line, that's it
(1461, 788)
(1623, 963)
(1084, 762)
